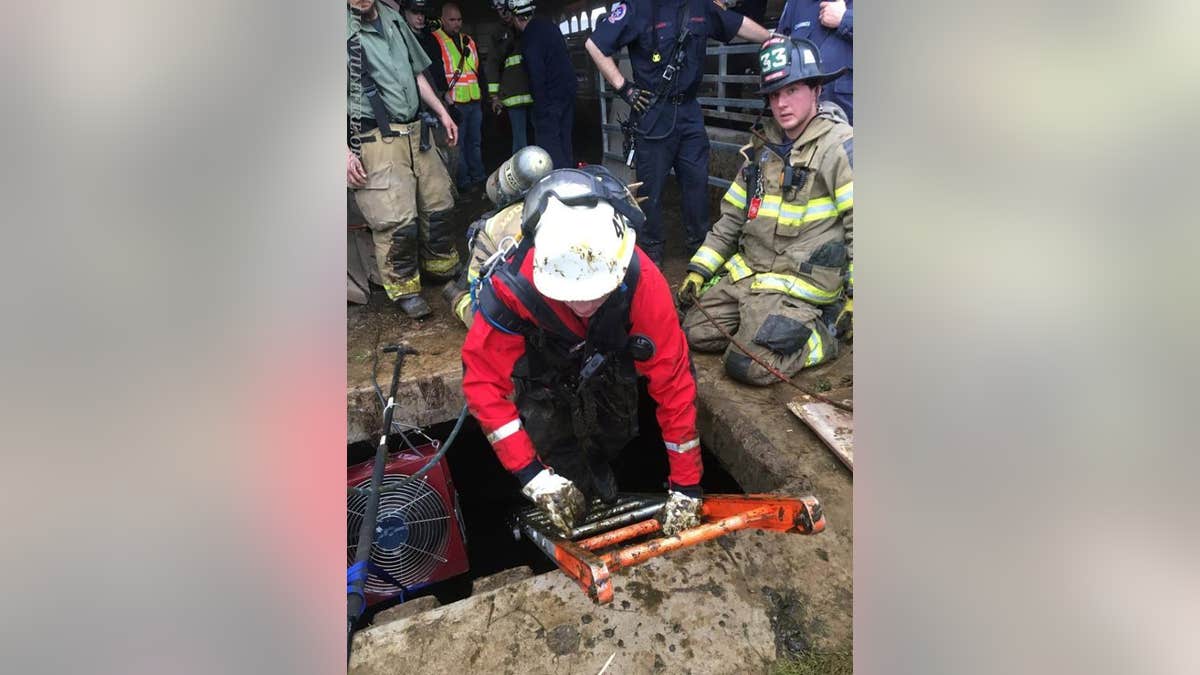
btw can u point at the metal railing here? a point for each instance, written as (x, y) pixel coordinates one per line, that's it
(719, 107)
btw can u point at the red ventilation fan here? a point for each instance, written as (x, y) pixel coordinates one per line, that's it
(419, 536)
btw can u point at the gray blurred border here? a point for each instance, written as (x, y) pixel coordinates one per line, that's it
(1026, 351)
(174, 338)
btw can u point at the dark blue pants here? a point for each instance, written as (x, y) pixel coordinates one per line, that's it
(552, 124)
(470, 166)
(519, 116)
(686, 150)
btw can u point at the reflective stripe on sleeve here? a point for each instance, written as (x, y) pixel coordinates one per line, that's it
(736, 195)
(707, 258)
(738, 269)
(844, 196)
(519, 99)
(504, 431)
(683, 447)
(493, 87)
(514, 60)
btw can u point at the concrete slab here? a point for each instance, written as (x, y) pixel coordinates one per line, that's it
(695, 612)
(500, 579)
(405, 610)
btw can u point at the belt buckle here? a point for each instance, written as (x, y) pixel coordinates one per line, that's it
(669, 72)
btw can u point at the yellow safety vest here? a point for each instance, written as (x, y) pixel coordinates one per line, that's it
(466, 86)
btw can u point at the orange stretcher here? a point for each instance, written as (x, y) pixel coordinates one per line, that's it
(601, 545)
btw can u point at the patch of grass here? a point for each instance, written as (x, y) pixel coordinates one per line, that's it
(815, 663)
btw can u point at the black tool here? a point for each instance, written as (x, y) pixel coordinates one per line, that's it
(428, 122)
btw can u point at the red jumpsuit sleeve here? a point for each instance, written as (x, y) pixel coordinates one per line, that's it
(671, 381)
(489, 355)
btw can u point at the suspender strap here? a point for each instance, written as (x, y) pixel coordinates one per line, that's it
(370, 91)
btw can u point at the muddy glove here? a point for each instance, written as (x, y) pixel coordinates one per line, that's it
(689, 290)
(558, 497)
(639, 99)
(681, 511)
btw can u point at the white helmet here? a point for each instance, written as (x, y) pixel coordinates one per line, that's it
(583, 233)
(521, 7)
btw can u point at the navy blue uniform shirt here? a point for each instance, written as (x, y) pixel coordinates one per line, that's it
(634, 23)
(551, 75)
(801, 19)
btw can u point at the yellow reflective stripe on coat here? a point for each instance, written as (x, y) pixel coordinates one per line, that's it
(844, 197)
(493, 87)
(850, 276)
(707, 258)
(816, 209)
(816, 350)
(738, 269)
(514, 60)
(519, 99)
(795, 287)
(736, 195)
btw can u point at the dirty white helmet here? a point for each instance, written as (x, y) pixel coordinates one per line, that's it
(581, 252)
(582, 224)
(521, 7)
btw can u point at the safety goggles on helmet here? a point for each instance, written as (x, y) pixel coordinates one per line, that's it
(580, 187)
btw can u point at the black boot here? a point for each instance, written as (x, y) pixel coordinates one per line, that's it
(414, 306)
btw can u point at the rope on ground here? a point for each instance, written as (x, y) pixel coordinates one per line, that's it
(778, 375)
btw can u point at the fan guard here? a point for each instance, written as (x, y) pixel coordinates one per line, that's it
(411, 532)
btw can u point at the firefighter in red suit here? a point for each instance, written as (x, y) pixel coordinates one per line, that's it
(570, 318)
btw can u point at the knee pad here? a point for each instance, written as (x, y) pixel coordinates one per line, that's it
(405, 235)
(830, 254)
(743, 369)
(782, 335)
(699, 342)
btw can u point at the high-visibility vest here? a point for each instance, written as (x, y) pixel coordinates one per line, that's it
(466, 87)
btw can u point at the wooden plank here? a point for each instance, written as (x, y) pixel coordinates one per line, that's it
(834, 427)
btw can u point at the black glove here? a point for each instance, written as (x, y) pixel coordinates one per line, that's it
(639, 99)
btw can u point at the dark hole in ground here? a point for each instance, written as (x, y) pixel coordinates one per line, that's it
(487, 494)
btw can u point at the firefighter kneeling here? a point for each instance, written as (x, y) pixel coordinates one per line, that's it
(565, 325)
(783, 249)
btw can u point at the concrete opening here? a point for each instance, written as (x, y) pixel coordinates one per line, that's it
(487, 494)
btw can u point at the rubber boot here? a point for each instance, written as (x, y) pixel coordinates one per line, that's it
(414, 306)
